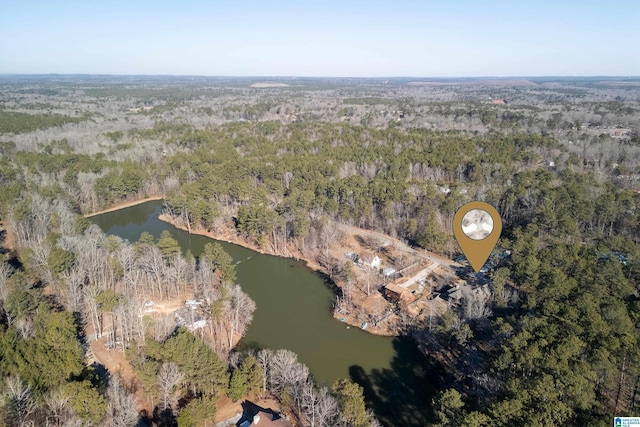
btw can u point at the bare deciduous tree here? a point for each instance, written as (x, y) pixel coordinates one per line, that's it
(326, 408)
(19, 401)
(264, 357)
(178, 274)
(318, 406)
(5, 271)
(284, 369)
(152, 263)
(169, 376)
(91, 306)
(121, 409)
(241, 308)
(56, 401)
(476, 306)
(73, 280)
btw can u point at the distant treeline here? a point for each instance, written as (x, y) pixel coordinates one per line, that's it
(16, 122)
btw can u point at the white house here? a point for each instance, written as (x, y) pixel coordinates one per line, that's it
(370, 260)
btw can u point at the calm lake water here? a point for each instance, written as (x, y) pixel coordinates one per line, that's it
(294, 312)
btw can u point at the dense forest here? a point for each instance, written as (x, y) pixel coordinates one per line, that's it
(555, 343)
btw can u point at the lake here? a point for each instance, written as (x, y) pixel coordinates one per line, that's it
(294, 312)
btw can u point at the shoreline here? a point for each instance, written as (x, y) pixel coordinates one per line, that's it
(123, 205)
(236, 240)
(231, 238)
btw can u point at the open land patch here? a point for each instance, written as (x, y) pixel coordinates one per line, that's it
(262, 85)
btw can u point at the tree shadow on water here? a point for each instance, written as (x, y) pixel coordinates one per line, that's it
(401, 395)
(252, 347)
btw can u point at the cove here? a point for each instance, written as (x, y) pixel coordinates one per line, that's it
(294, 312)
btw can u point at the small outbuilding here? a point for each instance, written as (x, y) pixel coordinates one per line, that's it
(389, 272)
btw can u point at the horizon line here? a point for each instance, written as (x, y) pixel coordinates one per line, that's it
(324, 77)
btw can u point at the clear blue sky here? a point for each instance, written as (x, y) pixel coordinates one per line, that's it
(322, 38)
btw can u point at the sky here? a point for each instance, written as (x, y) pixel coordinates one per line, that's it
(346, 38)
